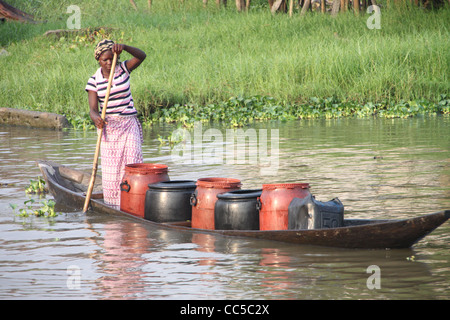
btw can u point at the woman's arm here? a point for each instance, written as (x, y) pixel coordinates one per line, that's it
(93, 110)
(138, 55)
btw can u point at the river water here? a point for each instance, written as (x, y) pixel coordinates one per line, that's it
(378, 168)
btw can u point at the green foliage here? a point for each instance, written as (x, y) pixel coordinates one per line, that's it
(238, 111)
(171, 140)
(36, 186)
(199, 57)
(444, 104)
(82, 122)
(46, 209)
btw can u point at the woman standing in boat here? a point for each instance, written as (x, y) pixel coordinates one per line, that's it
(122, 133)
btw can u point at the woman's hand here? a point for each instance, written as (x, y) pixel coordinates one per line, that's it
(98, 121)
(117, 48)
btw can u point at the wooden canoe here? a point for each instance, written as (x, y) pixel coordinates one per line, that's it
(68, 187)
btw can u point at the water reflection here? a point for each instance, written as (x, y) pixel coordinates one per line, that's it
(138, 260)
(121, 261)
(378, 168)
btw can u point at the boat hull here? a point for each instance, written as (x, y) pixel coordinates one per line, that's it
(66, 185)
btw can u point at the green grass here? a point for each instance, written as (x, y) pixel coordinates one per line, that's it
(204, 56)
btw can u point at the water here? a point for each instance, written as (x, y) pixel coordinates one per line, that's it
(378, 168)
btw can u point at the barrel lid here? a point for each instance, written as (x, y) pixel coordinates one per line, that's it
(173, 184)
(274, 186)
(240, 194)
(222, 183)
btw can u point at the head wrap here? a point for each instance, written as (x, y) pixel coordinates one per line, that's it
(103, 46)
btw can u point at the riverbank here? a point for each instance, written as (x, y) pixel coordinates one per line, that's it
(272, 66)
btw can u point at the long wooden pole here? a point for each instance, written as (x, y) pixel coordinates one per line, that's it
(99, 139)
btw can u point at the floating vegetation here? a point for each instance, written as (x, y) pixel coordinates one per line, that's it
(238, 111)
(83, 122)
(46, 209)
(36, 187)
(171, 140)
(5, 184)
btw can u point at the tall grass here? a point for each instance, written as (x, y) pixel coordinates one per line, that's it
(201, 56)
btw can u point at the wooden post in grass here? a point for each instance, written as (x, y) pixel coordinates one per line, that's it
(277, 5)
(240, 5)
(335, 7)
(224, 2)
(305, 7)
(356, 6)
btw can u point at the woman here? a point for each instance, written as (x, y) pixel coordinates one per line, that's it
(122, 132)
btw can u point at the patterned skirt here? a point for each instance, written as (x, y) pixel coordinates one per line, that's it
(121, 145)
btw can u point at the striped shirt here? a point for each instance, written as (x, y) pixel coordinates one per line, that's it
(120, 100)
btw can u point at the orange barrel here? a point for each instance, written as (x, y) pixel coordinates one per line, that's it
(135, 183)
(204, 199)
(274, 204)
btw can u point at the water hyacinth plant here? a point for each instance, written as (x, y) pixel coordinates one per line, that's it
(36, 186)
(238, 111)
(46, 209)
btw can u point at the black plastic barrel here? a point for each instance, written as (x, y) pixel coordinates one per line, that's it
(237, 210)
(169, 201)
(309, 213)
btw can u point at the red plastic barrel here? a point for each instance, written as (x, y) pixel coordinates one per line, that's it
(275, 200)
(205, 197)
(135, 183)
